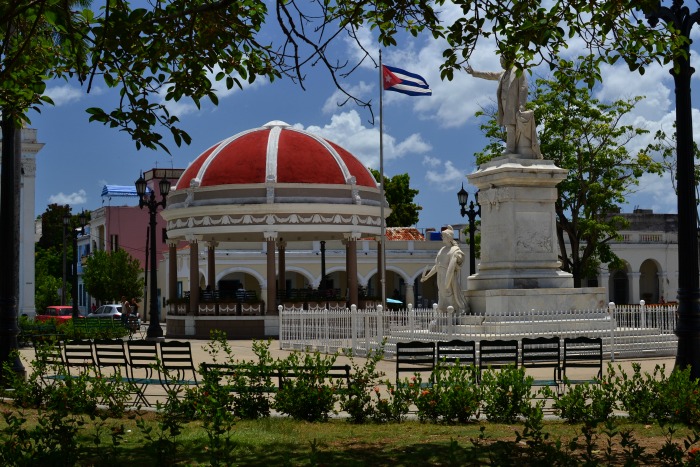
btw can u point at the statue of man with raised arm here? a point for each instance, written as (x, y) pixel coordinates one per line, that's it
(521, 130)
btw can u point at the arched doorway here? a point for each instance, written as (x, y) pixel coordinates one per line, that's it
(234, 282)
(649, 281)
(619, 290)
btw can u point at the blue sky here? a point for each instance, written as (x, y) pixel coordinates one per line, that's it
(433, 139)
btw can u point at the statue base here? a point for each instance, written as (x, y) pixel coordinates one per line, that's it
(519, 248)
(519, 268)
(496, 301)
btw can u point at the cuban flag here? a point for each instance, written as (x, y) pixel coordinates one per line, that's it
(396, 79)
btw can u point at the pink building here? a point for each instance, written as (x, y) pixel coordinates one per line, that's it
(124, 226)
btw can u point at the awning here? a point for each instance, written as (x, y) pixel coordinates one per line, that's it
(121, 190)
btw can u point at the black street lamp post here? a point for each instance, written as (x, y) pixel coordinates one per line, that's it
(688, 323)
(154, 330)
(462, 197)
(82, 220)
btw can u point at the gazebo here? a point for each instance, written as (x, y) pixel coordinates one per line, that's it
(273, 184)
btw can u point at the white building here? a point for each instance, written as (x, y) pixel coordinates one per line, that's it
(29, 149)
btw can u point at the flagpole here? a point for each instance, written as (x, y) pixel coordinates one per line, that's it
(382, 273)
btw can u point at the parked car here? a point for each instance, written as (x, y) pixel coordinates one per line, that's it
(60, 313)
(112, 311)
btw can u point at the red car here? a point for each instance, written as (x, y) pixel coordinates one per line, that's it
(61, 313)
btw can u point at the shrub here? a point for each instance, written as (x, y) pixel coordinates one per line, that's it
(506, 393)
(395, 407)
(640, 394)
(586, 402)
(309, 395)
(453, 395)
(356, 400)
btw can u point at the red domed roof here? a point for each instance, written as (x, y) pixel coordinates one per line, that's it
(275, 153)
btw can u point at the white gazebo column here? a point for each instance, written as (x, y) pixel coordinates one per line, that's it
(634, 286)
(271, 301)
(282, 267)
(380, 276)
(661, 276)
(211, 264)
(604, 281)
(351, 268)
(410, 295)
(172, 272)
(194, 276)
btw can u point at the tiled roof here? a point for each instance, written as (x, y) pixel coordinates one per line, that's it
(403, 233)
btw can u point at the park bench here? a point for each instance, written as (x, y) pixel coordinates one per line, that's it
(582, 354)
(543, 352)
(497, 354)
(249, 377)
(456, 351)
(415, 358)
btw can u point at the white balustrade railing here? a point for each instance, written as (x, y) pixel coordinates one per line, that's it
(628, 331)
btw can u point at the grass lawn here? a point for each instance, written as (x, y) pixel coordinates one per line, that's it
(283, 441)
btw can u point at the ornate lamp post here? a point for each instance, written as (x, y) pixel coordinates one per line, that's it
(154, 330)
(688, 324)
(462, 197)
(82, 220)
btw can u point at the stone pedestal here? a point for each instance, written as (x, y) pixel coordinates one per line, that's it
(519, 267)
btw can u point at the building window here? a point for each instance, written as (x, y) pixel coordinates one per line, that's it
(114, 242)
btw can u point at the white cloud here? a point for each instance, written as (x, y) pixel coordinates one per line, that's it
(73, 198)
(361, 91)
(655, 193)
(346, 129)
(431, 161)
(64, 94)
(447, 179)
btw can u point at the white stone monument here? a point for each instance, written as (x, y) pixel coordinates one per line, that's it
(519, 267)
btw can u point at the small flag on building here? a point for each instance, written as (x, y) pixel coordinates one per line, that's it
(396, 79)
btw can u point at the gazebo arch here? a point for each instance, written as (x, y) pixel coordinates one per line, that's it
(273, 185)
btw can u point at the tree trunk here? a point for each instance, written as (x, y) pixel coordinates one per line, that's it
(9, 243)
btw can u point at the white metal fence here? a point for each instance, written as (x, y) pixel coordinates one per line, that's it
(628, 331)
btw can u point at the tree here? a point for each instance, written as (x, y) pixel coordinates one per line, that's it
(399, 195)
(111, 275)
(52, 229)
(586, 137)
(47, 283)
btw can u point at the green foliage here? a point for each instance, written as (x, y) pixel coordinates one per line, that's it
(506, 393)
(400, 196)
(453, 395)
(249, 385)
(310, 395)
(48, 256)
(47, 288)
(111, 275)
(161, 439)
(65, 416)
(396, 403)
(589, 402)
(356, 400)
(535, 32)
